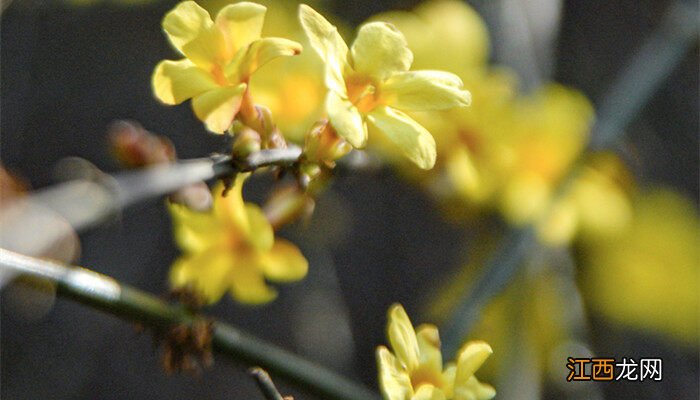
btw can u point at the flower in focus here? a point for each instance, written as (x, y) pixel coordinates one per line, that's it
(369, 83)
(471, 146)
(220, 57)
(414, 370)
(232, 248)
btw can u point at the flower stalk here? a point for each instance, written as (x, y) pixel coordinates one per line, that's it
(106, 294)
(265, 384)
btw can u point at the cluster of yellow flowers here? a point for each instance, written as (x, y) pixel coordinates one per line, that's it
(510, 152)
(507, 153)
(366, 85)
(333, 102)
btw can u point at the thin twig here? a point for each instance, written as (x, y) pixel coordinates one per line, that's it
(267, 387)
(106, 294)
(77, 205)
(666, 45)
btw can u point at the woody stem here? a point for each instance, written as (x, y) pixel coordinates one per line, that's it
(267, 387)
(106, 294)
(84, 203)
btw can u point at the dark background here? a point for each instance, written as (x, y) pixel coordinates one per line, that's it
(68, 72)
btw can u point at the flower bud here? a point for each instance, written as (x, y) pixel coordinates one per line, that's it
(288, 204)
(136, 147)
(246, 141)
(323, 145)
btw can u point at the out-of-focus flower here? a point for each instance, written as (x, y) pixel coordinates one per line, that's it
(596, 206)
(458, 29)
(220, 57)
(292, 87)
(232, 248)
(648, 276)
(370, 82)
(414, 370)
(552, 127)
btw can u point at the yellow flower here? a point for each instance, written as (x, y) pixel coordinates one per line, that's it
(370, 82)
(414, 370)
(232, 247)
(220, 57)
(459, 30)
(552, 127)
(648, 276)
(291, 88)
(596, 206)
(472, 153)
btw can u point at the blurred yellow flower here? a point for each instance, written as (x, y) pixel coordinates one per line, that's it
(291, 88)
(232, 247)
(552, 128)
(648, 276)
(458, 29)
(370, 82)
(595, 207)
(414, 370)
(220, 57)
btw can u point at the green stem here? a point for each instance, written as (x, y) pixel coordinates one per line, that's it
(267, 387)
(106, 294)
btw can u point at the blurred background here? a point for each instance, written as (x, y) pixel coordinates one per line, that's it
(620, 281)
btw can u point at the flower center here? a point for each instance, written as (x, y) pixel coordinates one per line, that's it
(362, 93)
(426, 376)
(218, 73)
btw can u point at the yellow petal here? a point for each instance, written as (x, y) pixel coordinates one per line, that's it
(284, 262)
(330, 46)
(259, 53)
(259, 233)
(231, 208)
(394, 381)
(560, 224)
(448, 377)
(346, 120)
(425, 90)
(430, 355)
(247, 281)
(194, 231)
(206, 272)
(191, 30)
(462, 172)
(402, 337)
(185, 22)
(380, 50)
(474, 390)
(241, 23)
(471, 357)
(411, 138)
(245, 219)
(176, 81)
(217, 108)
(429, 392)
